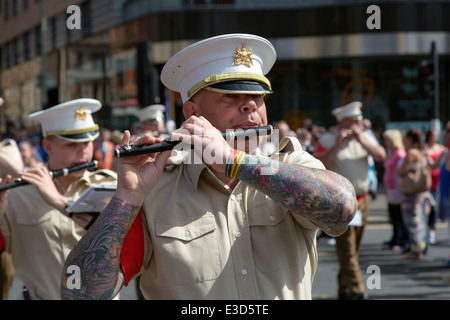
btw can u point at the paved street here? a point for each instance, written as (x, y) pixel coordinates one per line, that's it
(428, 279)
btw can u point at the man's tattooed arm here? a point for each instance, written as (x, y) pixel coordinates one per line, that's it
(92, 269)
(324, 197)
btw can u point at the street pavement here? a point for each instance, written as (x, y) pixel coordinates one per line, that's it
(386, 275)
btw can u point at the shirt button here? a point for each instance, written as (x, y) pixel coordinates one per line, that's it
(233, 197)
(244, 272)
(187, 233)
(272, 218)
(237, 234)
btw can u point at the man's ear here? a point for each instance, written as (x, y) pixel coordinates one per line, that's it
(189, 109)
(47, 145)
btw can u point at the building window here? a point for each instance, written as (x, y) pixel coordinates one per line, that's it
(6, 13)
(86, 18)
(7, 56)
(53, 33)
(14, 7)
(26, 46)
(15, 44)
(37, 40)
(68, 35)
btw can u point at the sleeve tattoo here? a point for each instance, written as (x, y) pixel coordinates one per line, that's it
(97, 255)
(324, 197)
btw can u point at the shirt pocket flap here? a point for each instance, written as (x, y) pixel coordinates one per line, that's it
(267, 213)
(185, 229)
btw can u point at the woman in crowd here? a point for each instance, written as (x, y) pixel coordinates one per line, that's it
(413, 205)
(433, 150)
(396, 153)
(443, 186)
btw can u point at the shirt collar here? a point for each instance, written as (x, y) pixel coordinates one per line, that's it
(194, 171)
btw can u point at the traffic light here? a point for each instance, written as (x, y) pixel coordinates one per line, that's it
(426, 77)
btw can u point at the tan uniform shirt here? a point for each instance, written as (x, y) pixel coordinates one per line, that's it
(351, 161)
(39, 237)
(206, 241)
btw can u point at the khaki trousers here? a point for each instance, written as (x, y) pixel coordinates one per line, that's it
(347, 247)
(6, 274)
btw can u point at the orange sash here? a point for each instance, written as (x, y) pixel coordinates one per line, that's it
(104, 163)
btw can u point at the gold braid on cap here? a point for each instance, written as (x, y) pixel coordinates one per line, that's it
(72, 131)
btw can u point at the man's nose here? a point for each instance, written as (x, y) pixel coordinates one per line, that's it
(248, 106)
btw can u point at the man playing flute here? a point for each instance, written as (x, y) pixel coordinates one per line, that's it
(36, 229)
(237, 225)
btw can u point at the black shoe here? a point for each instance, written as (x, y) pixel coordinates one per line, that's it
(352, 296)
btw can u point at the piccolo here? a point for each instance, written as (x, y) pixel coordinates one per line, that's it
(347, 133)
(168, 144)
(350, 131)
(54, 174)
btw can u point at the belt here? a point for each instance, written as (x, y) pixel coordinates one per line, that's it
(362, 196)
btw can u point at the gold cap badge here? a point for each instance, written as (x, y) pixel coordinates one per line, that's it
(243, 56)
(80, 113)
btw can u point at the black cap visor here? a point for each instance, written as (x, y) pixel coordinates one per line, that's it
(240, 86)
(82, 137)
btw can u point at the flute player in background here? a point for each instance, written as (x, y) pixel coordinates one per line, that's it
(346, 151)
(36, 229)
(239, 226)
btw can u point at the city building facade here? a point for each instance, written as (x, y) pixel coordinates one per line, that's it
(330, 53)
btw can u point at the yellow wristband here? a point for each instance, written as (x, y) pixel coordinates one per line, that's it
(237, 164)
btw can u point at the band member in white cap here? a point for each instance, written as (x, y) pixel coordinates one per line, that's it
(10, 163)
(152, 120)
(346, 152)
(37, 231)
(242, 226)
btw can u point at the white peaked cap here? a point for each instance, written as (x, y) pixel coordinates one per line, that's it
(351, 110)
(70, 120)
(242, 58)
(154, 112)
